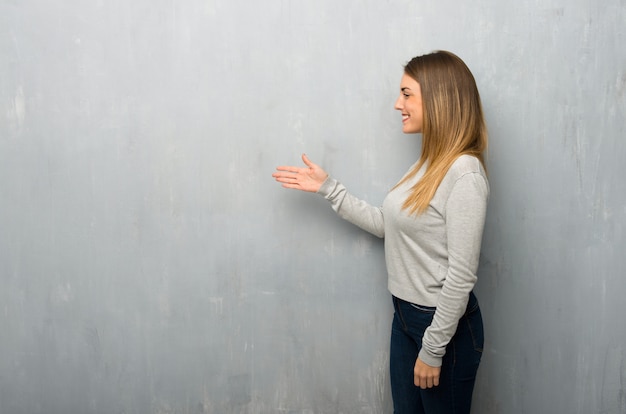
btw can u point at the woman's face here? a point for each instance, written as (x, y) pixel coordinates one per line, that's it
(409, 103)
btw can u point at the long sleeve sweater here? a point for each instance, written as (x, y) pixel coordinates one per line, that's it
(432, 257)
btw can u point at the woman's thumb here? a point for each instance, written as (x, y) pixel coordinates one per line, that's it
(307, 161)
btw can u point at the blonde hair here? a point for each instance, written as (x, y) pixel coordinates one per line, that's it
(453, 122)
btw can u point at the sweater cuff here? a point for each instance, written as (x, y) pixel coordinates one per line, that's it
(327, 187)
(428, 359)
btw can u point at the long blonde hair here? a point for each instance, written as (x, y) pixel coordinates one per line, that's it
(453, 122)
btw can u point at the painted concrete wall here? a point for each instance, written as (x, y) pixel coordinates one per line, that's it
(149, 263)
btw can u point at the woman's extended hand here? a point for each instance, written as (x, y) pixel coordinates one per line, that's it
(425, 376)
(309, 178)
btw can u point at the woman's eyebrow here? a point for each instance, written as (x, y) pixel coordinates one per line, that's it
(406, 88)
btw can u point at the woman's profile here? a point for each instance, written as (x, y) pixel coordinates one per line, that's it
(432, 222)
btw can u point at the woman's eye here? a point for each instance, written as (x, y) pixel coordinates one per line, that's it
(405, 95)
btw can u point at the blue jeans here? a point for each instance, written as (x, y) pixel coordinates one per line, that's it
(459, 366)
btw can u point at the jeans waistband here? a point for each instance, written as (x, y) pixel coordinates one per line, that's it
(472, 304)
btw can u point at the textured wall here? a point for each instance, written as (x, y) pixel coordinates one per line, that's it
(149, 263)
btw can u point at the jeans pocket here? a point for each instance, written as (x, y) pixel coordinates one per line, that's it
(474, 322)
(414, 319)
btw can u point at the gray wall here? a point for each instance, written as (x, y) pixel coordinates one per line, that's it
(149, 263)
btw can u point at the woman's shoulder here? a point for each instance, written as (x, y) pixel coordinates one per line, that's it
(466, 164)
(464, 167)
(465, 173)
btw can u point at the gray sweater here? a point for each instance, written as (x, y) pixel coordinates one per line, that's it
(431, 258)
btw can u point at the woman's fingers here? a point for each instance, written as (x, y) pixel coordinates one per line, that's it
(293, 169)
(284, 177)
(426, 376)
(287, 175)
(287, 168)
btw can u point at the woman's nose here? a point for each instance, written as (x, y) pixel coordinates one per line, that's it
(397, 105)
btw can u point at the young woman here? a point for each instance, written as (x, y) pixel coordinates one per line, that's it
(432, 222)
